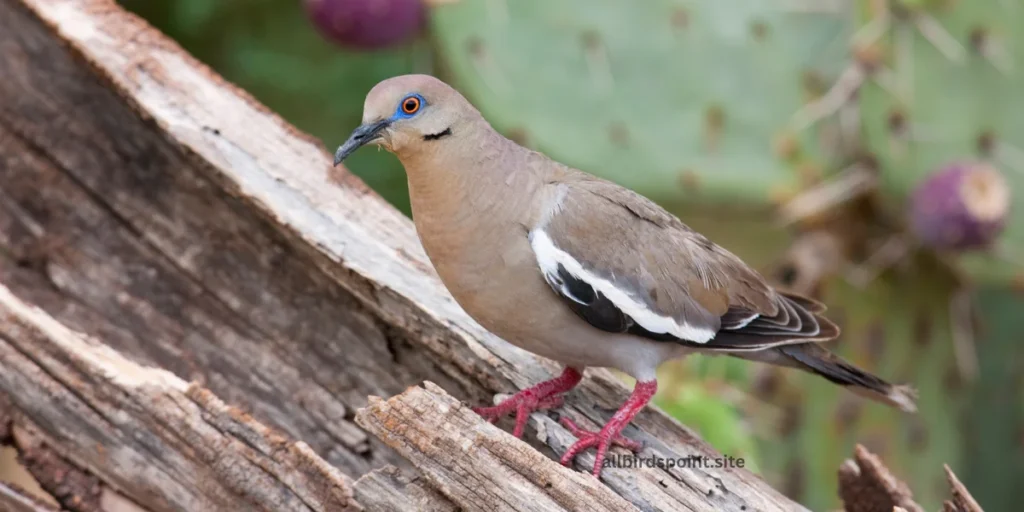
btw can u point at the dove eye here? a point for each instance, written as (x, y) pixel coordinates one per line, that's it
(411, 105)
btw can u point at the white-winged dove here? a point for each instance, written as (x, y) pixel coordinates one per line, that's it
(578, 269)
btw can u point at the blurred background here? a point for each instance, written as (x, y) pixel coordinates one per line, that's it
(869, 153)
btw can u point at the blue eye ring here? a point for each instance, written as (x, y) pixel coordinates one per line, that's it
(410, 105)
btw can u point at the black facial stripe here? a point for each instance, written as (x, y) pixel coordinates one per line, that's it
(435, 136)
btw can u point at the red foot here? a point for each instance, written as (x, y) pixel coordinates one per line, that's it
(545, 395)
(610, 434)
(589, 439)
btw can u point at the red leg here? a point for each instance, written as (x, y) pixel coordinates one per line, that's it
(609, 435)
(545, 395)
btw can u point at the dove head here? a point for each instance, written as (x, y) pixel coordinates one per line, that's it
(410, 114)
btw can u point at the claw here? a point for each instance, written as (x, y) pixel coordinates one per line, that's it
(523, 403)
(610, 434)
(603, 440)
(618, 440)
(546, 395)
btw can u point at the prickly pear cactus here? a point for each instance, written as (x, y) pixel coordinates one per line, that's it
(676, 100)
(961, 207)
(938, 84)
(946, 87)
(730, 102)
(366, 24)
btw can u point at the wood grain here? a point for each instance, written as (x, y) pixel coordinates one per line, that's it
(962, 500)
(388, 489)
(172, 445)
(475, 464)
(866, 485)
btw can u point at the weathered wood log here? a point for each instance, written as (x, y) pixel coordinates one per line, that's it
(149, 204)
(473, 462)
(172, 445)
(389, 490)
(117, 232)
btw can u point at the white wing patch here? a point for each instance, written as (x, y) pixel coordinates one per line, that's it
(743, 323)
(549, 257)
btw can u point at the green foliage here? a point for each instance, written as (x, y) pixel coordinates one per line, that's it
(665, 97)
(953, 73)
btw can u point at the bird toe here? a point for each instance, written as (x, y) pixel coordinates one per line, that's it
(602, 440)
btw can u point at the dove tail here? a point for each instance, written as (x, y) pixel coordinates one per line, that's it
(820, 361)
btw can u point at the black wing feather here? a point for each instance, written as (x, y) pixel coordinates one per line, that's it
(592, 306)
(741, 329)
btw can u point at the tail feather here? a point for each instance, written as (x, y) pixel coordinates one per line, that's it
(820, 361)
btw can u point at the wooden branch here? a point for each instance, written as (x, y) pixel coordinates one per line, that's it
(474, 463)
(389, 490)
(115, 231)
(962, 500)
(147, 203)
(866, 485)
(171, 445)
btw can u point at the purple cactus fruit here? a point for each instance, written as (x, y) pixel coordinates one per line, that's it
(961, 207)
(367, 24)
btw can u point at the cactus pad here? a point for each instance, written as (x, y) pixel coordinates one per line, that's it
(673, 99)
(952, 91)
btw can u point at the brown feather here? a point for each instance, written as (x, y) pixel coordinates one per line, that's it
(676, 271)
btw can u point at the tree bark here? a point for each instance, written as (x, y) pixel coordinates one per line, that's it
(174, 445)
(962, 500)
(473, 462)
(866, 485)
(389, 490)
(205, 249)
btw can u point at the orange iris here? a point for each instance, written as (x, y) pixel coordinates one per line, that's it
(411, 105)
